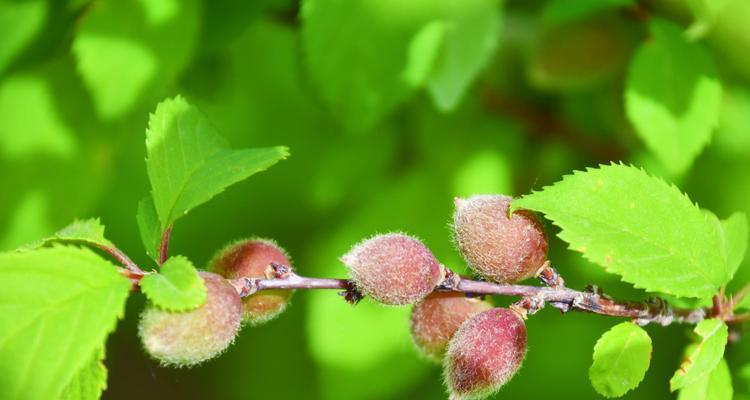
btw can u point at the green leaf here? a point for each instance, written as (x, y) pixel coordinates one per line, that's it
(621, 359)
(636, 226)
(367, 57)
(673, 96)
(733, 233)
(128, 51)
(705, 14)
(149, 227)
(30, 120)
(706, 355)
(714, 386)
(472, 29)
(20, 21)
(57, 307)
(87, 231)
(177, 287)
(89, 382)
(188, 163)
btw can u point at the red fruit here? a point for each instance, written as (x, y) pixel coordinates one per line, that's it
(498, 247)
(393, 268)
(189, 338)
(485, 353)
(252, 258)
(435, 319)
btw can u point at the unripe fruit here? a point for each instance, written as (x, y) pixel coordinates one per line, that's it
(435, 319)
(500, 248)
(188, 338)
(393, 268)
(485, 353)
(252, 258)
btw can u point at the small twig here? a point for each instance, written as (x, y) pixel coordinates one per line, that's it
(164, 245)
(653, 311)
(121, 257)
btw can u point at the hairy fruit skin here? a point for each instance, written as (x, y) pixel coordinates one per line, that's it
(501, 248)
(485, 353)
(252, 258)
(436, 319)
(188, 338)
(393, 269)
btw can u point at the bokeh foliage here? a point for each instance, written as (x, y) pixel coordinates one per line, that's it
(390, 109)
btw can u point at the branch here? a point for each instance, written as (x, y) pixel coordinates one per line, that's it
(654, 310)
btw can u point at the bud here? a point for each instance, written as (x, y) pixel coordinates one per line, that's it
(500, 248)
(252, 258)
(485, 353)
(188, 338)
(393, 268)
(435, 319)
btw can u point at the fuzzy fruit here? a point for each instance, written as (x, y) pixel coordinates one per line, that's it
(485, 353)
(252, 258)
(435, 319)
(189, 338)
(498, 247)
(393, 269)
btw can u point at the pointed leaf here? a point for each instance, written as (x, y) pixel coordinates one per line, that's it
(188, 163)
(177, 287)
(87, 231)
(621, 359)
(636, 226)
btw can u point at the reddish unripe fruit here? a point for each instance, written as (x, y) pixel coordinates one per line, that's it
(485, 353)
(500, 248)
(435, 319)
(189, 338)
(252, 258)
(393, 268)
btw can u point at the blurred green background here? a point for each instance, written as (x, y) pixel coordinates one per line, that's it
(79, 78)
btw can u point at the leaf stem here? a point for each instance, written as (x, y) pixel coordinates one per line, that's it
(164, 245)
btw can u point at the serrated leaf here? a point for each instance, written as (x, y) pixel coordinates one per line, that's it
(636, 226)
(89, 382)
(128, 51)
(57, 307)
(714, 386)
(621, 358)
(188, 163)
(367, 57)
(149, 227)
(87, 231)
(673, 96)
(706, 355)
(177, 287)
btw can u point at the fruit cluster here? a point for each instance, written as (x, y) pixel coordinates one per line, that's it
(481, 346)
(185, 339)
